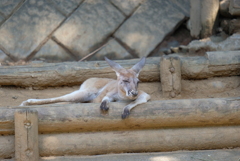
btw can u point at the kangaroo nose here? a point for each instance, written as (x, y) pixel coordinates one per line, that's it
(133, 93)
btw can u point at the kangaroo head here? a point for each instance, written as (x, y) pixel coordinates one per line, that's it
(127, 78)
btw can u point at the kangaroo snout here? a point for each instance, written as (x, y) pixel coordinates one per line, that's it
(132, 93)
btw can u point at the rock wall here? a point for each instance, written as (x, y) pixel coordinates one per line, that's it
(60, 30)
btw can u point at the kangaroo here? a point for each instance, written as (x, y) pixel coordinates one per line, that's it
(105, 90)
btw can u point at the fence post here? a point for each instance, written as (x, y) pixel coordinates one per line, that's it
(26, 135)
(170, 72)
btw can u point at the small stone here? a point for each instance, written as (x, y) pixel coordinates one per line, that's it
(96, 64)
(167, 52)
(174, 49)
(183, 49)
(14, 97)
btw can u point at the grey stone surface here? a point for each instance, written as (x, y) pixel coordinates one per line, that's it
(209, 12)
(88, 26)
(229, 44)
(113, 50)
(1, 18)
(203, 17)
(28, 27)
(51, 52)
(234, 7)
(224, 8)
(67, 6)
(127, 6)
(195, 19)
(7, 6)
(149, 25)
(3, 56)
(183, 5)
(201, 155)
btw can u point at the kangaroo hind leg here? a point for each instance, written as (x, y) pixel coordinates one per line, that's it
(76, 96)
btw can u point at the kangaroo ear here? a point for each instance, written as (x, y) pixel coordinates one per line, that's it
(138, 67)
(115, 66)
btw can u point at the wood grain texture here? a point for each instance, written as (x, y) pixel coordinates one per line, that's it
(95, 143)
(26, 135)
(74, 73)
(170, 71)
(139, 141)
(70, 73)
(155, 114)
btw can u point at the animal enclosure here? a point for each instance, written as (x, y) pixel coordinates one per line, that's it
(204, 106)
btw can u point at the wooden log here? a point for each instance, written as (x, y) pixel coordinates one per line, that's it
(74, 73)
(139, 141)
(154, 114)
(26, 135)
(136, 141)
(70, 73)
(214, 64)
(170, 74)
(7, 146)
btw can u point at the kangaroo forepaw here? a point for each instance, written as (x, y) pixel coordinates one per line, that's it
(125, 113)
(24, 103)
(27, 102)
(104, 106)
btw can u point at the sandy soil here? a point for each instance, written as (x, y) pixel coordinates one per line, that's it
(217, 87)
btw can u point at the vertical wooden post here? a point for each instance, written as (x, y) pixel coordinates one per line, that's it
(26, 135)
(170, 73)
(176, 75)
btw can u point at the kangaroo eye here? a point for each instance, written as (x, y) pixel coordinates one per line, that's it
(126, 81)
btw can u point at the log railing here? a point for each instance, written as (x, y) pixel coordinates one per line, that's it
(81, 129)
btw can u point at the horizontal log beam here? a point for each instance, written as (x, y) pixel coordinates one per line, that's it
(154, 114)
(70, 73)
(134, 141)
(74, 73)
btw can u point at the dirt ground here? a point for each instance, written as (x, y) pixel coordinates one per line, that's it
(217, 87)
